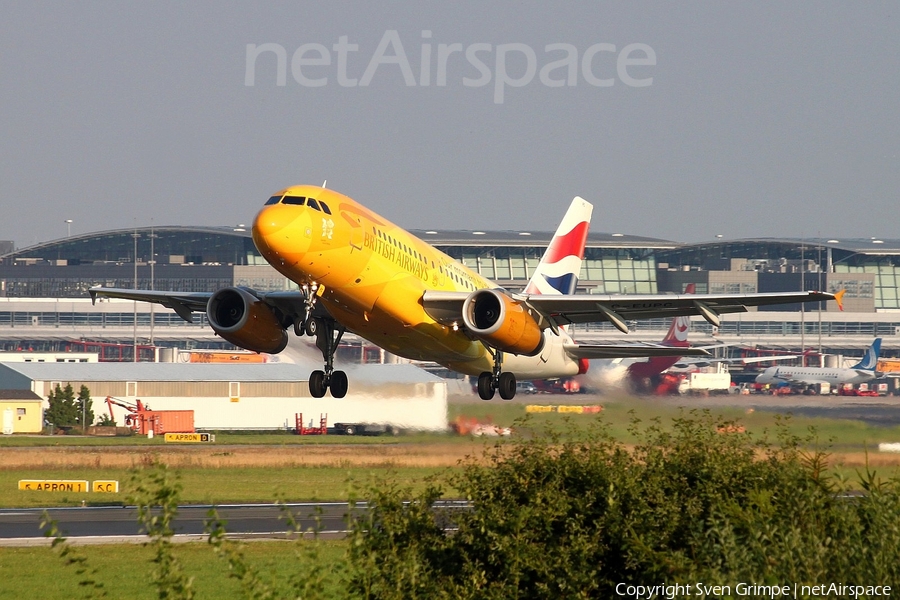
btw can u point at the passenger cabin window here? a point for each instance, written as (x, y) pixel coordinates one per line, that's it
(325, 207)
(273, 200)
(313, 204)
(295, 200)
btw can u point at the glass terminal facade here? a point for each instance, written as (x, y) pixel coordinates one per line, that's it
(603, 271)
(205, 259)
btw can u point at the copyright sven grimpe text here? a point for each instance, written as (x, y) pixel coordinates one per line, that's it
(751, 590)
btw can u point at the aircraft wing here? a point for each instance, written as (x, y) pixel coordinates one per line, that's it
(185, 303)
(446, 307)
(618, 309)
(629, 351)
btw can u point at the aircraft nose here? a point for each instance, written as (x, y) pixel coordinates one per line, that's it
(269, 229)
(269, 220)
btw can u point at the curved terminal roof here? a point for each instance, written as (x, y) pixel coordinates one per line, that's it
(198, 245)
(873, 246)
(234, 245)
(534, 238)
(850, 252)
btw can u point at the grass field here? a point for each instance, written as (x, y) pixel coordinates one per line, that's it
(124, 569)
(266, 467)
(218, 475)
(841, 434)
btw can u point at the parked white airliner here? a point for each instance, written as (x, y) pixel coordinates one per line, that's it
(861, 372)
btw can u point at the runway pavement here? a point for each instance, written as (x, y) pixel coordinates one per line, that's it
(119, 524)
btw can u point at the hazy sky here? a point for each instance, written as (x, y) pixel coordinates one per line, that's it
(757, 119)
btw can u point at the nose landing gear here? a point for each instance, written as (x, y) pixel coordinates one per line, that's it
(307, 323)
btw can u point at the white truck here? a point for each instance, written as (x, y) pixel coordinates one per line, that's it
(706, 383)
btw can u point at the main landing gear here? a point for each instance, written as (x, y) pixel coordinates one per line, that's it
(328, 335)
(489, 381)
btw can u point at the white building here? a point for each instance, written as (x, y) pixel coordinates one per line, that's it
(247, 396)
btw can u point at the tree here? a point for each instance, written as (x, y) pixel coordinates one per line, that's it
(62, 411)
(106, 421)
(83, 407)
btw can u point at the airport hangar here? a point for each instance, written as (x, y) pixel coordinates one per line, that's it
(44, 304)
(238, 396)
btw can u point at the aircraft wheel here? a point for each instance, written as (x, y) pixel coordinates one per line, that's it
(317, 385)
(507, 387)
(312, 326)
(339, 384)
(299, 327)
(485, 387)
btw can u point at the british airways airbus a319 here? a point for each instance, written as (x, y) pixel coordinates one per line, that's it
(356, 271)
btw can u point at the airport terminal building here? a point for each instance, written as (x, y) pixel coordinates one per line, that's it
(45, 285)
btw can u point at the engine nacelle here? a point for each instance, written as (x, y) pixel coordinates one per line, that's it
(246, 321)
(502, 323)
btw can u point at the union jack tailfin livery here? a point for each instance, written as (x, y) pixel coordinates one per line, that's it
(557, 273)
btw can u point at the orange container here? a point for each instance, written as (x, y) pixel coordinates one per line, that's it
(164, 421)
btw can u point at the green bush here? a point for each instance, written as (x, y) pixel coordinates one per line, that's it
(573, 516)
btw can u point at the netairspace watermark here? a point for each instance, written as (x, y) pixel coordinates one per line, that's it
(753, 590)
(512, 65)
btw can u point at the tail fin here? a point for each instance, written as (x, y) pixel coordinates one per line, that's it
(870, 360)
(678, 331)
(558, 270)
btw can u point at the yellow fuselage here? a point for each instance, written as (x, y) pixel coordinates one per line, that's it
(372, 274)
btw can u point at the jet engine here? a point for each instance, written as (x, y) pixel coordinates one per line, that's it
(246, 321)
(502, 323)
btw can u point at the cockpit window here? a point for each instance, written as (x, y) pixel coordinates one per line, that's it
(273, 200)
(295, 200)
(313, 204)
(325, 207)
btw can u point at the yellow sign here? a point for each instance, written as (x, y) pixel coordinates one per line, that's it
(53, 485)
(888, 365)
(571, 408)
(190, 437)
(107, 487)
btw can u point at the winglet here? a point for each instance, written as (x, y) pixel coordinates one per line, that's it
(839, 298)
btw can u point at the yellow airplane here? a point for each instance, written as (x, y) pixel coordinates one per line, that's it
(358, 272)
